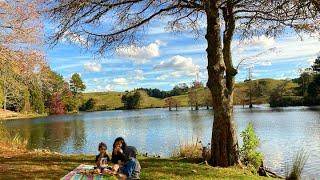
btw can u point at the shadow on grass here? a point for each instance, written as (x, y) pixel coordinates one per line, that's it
(47, 166)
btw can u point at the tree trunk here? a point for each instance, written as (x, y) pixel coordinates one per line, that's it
(224, 145)
(250, 96)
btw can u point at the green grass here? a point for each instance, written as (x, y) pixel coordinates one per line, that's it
(150, 102)
(54, 166)
(112, 100)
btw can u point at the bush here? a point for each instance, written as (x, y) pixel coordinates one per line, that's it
(191, 151)
(88, 105)
(248, 152)
(297, 166)
(195, 152)
(71, 103)
(287, 101)
(311, 101)
(131, 100)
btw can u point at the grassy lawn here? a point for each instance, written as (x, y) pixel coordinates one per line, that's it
(39, 165)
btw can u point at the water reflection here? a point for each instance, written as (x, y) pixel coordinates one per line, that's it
(283, 131)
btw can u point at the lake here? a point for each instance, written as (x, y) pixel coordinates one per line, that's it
(283, 132)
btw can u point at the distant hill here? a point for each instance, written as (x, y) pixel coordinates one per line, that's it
(265, 86)
(112, 100)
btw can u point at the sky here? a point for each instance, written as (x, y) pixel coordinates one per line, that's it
(165, 59)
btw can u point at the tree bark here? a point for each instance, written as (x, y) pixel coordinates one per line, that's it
(224, 145)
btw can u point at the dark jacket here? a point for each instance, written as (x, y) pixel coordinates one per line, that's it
(105, 156)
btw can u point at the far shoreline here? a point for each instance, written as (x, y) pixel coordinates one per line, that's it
(30, 116)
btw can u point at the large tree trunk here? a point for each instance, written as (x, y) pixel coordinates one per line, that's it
(224, 145)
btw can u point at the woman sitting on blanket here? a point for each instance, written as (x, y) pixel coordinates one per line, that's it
(118, 152)
(126, 165)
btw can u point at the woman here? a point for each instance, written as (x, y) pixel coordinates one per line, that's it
(126, 166)
(118, 152)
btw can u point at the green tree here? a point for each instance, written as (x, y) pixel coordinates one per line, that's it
(223, 19)
(248, 151)
(276, 97)
(304, 80)
(76, 84)
(131, 100)
(88, 105)
(314, 87)
(316, 65)
(71, 102)
(193, 98)
(36, 99)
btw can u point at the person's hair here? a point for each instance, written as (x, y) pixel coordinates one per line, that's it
(102, 145)
(124, 145)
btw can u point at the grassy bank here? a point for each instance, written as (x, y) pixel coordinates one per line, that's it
(32, 165)
(9, 115)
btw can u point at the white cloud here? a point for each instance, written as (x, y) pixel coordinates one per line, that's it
(74, 38)
(100, 88)
(140, 55)
(265, 63)
(311, 61)
(163, 77)
(92, 67)
(120, 81)
(108, 87)
(260, 41)
(137, 75)
(178, 63)
(179, 66)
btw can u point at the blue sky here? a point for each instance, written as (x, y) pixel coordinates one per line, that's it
(165, 59)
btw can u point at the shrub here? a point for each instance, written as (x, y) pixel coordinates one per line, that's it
(248, 152)
(194, 152)
(297, 166)
(88, 105)
(131, 100)
(287, 101)
(190, 151)
(101, 108)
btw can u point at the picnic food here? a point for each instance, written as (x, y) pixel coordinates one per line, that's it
(89, 171)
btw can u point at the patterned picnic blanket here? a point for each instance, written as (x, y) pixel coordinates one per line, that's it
(75, 175)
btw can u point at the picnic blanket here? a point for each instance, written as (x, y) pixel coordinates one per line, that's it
(76, 175)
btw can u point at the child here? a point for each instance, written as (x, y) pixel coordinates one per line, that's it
(131, 168)
(102, 158)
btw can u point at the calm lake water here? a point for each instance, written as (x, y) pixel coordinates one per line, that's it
(282, 131)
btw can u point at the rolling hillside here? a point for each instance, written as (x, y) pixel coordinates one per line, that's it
(112, 100)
